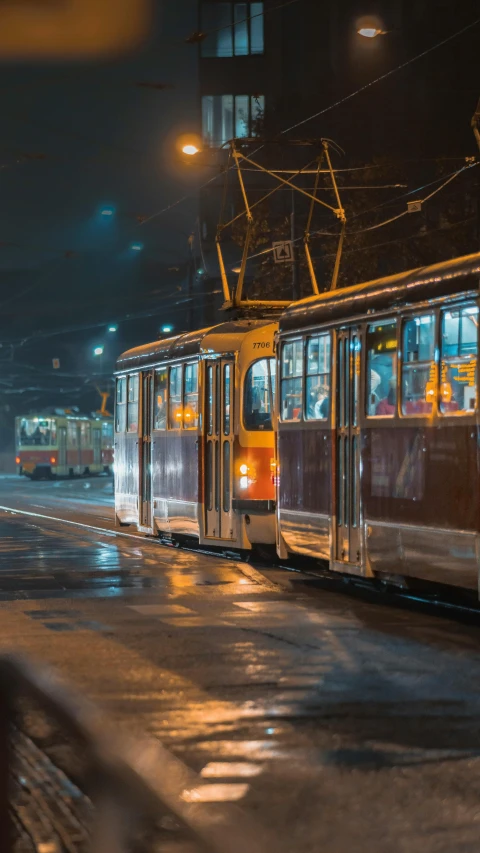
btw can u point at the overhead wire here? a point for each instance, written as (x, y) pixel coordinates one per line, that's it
(327, 109)
(383, 76)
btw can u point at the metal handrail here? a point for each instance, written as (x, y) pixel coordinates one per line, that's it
(138, 777)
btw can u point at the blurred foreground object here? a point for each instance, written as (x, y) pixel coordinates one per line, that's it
(71, 29)
(134, 784)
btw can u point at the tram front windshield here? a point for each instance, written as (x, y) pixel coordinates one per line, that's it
(34, 432)
(259, 398)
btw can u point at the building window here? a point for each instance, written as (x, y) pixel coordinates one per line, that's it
(458, 382)
(381, 382)
(227, 117)
(232, 29)
(418, 367)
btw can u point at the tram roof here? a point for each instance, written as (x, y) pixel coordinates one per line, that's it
(382, 294)
(226, 337)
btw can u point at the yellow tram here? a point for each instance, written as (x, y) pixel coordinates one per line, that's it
(194, 436)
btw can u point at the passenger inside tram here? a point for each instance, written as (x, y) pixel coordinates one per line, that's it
(320, 410)
(388, 405)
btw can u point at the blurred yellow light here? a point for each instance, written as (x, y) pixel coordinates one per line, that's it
(244, 469)
(190, 149)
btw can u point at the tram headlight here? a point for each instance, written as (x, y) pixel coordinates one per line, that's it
(244, 469)
(244, 481)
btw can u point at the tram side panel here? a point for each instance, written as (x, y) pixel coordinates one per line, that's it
(421, 473)
(405, 448)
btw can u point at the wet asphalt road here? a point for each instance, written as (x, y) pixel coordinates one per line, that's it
(341, 724)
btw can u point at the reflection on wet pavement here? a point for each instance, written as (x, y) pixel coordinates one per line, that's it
(305, 708)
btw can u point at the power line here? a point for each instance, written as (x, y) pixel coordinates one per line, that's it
(383, 76)
(423, 200)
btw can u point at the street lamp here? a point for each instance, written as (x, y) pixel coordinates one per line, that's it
(98, 350)
(136, 247)
(166, 329)
(190, 149)
(113, 328)
(370, 32)
(107, 211)
(370, 27)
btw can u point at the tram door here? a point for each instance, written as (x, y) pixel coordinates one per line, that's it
(219, 395)
(145, 448)
(349, 345)
(62, 446)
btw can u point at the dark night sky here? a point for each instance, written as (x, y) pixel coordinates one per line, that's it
(102, 140)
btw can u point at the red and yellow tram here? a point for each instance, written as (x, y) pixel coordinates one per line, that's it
(378, 431)
(194, 440)
(49, 446)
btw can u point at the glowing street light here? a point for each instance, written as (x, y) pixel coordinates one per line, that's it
(166, 329)
(113, 328)
(98, 350)
(190, 149)
(107, 211)
(370, 32)
(136, 247)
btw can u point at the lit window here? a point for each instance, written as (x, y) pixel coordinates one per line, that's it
(190, 397)
(175, 398)
(458, 379)
(227, 116)
(132, 405)
(317, 369)
(259, 396)
(418, 367)
(160, 415)
(381, 381)
(233, 29)
(292, 381)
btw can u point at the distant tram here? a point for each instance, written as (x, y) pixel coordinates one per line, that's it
(50, 446)
(194, 440)
(378, 430)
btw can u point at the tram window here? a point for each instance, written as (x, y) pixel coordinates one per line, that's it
(107, 434)
(190, 397)
(160, 415)
(259, 395)
(458, 382)
(175, 398)
(72, 434)
(227, 403)
(317, 369)
(210, 399)
(418, 366)
(132, 404)
(381, 369)
(121, 405)
(85, 434)
(37, 431)
(292, 381)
